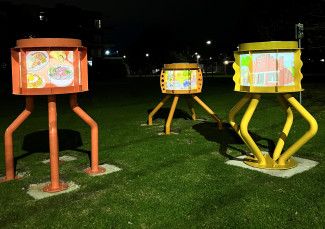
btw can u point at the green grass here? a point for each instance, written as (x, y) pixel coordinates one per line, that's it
(176, 181)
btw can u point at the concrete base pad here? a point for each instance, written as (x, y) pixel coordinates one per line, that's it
(19, 176)
(153, 124)
(63, 158)
(200, 119)
(109, 169)
(36, 190)
(303, 165)
(171, 133)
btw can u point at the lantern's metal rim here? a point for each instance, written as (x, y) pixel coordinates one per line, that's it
(269, 45)
(48, 42)
(181, 66)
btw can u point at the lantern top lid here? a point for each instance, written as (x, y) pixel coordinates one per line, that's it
(175, 66)
(268, 45)
(48, 42)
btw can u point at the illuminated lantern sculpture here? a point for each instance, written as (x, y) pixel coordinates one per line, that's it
(181, 79)
(50, 66)
(270, 67)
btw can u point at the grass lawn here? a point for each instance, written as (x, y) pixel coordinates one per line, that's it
(176, 181)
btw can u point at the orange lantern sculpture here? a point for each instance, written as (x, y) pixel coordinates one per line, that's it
(50, 66)
(181, 79)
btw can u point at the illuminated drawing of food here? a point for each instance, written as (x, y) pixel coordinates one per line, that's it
(36, 60)
(58, 55)
(34, 81)
(61, 75)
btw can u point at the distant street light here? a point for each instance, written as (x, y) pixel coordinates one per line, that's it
(322, 60)
(208, 42)
(124, 57)
(107, 52)
(197, 58)
(42, 16)
(226, 62)
(147, 54)
(195, 53)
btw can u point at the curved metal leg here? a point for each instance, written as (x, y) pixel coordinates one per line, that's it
(207, 109)
(286, 129)
(94, 169)
(313, 127)
(8, 139)
(190, 107)
(171, 114)
(55, 185)
(233, 112)
(244, 130)
(156, 109)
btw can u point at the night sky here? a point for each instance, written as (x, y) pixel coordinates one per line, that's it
(221, 21)
(165, 27)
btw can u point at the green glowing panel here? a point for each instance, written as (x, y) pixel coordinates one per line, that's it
(245, 60)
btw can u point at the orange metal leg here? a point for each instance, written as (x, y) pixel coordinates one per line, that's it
(55, 185)
(94, 169)
(9, 148)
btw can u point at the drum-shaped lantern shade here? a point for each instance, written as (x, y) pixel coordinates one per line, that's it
(44, 66)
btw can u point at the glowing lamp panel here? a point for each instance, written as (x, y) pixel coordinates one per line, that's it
(48, 69)
(267, 69)
(179, 80)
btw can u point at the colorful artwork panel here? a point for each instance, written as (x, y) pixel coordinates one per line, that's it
(48, 69)
(181, 79)
(267, 69)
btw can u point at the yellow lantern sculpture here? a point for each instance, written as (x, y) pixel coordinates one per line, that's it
(181, 79)
(270, 67)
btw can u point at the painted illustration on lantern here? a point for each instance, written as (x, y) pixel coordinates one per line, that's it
(49, 69)
(267, 69)
(181, 79)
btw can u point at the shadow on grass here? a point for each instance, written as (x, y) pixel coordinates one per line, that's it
(227, 138)
(38, 142)
(163, 114)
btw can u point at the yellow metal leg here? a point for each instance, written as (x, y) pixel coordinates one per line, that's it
(156, 109)
(313, 127)
(261, 161)
(190, 107)
(233, 112)
(286, 129)
(205, 107)
(171, 114)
